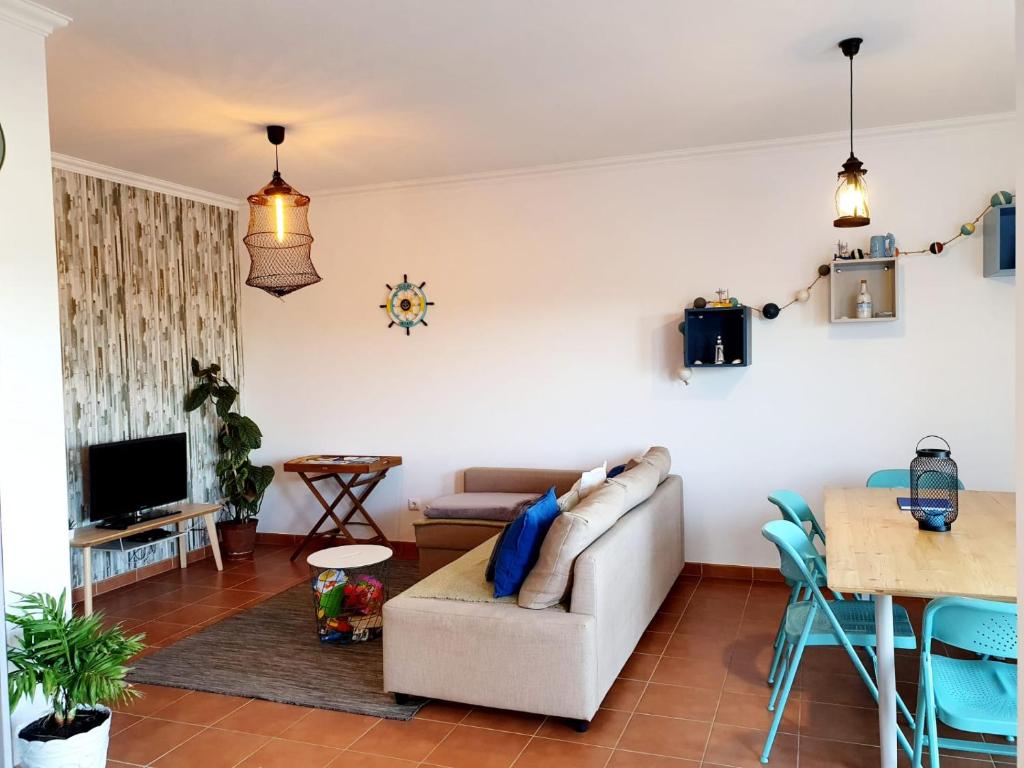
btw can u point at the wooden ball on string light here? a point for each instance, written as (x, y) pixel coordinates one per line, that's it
(770, 311)
(700, 302)
(824, 269)
(1001, 198)
(936, 248)
(967, 229)
(803, 295)
(685, 374)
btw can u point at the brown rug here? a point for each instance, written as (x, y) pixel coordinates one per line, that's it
(271, 652)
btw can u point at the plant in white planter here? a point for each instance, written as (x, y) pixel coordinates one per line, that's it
(79, 668)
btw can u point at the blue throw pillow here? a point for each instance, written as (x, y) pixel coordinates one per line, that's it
(520, 546)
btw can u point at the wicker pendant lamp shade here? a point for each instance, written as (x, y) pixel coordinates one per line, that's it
(278, 238)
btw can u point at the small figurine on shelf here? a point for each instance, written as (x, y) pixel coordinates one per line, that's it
(723, 298)
(842, 251)
(719, 352)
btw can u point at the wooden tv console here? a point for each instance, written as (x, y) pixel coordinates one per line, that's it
(93, 537)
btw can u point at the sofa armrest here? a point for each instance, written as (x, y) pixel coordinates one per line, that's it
(507, 480)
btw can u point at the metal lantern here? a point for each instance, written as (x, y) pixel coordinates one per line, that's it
(852, 192)
(934, 487)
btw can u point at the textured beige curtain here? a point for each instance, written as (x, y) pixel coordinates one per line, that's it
(147, 281)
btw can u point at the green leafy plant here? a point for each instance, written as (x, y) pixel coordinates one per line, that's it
(77, 662)
(242, 482)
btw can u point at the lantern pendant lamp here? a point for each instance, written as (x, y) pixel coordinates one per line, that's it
(278, 239)
(852, 193)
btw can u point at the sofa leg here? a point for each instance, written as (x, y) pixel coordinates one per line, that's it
(580, 726)
(401, 699)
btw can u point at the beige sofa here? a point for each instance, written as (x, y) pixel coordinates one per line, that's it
(557, 661)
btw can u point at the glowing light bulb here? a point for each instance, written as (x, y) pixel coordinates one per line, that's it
(851, 199)
(279, 209)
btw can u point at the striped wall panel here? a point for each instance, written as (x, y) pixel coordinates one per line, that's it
(147, 281)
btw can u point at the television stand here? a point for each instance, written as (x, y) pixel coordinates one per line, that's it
(94, 537)
(124, 523)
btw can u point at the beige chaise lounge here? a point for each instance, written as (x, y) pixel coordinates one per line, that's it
(443, 540)
(557, 661)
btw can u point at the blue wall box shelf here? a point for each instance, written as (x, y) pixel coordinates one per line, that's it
(1000, 241)
(701, 329)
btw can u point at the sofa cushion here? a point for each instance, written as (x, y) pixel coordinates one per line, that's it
(591, 480)
(521, 544)
(479, 506)
(639, 482)
(548, 581)
(658, 456)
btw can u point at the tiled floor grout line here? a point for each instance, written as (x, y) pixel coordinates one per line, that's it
(747, 625)
(647, 682)
(721, 691)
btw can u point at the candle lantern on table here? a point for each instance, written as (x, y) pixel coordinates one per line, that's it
(934, 486)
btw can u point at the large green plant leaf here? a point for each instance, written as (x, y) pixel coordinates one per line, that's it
(249, 434)
(197, 396)
(225, 397)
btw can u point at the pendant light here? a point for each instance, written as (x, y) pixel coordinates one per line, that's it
(278, 238)
(852, 193)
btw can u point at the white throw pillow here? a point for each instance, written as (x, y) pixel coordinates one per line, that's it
(592, 480)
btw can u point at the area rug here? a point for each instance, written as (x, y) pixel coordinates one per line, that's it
(271, 652)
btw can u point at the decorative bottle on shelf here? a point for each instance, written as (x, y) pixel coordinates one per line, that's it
(719, 352)
(864, 305)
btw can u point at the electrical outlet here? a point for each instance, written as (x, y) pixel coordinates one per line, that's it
(414, 505)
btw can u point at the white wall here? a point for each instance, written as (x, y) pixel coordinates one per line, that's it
(554, 341)
(33, 478)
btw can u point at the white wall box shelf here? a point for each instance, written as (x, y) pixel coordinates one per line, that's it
(882, 276)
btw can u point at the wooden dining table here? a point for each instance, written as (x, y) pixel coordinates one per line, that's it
(873, 547)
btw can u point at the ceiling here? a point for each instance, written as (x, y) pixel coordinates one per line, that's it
(394, 90)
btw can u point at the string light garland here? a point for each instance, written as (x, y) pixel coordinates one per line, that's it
(966, 230)
(771, 310)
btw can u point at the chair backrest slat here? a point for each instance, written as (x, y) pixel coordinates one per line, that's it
(979, 626)
(795, 508)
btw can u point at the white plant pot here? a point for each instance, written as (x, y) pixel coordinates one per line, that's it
(83, 750)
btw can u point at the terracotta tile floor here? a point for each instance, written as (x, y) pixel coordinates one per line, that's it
(693, 694)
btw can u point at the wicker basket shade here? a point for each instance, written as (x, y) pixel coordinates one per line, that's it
(279, 240)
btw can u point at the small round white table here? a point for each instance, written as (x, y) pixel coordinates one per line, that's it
(350, 586)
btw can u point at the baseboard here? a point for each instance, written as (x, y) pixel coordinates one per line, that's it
(736, 572)
(404, 550)
(139, 574)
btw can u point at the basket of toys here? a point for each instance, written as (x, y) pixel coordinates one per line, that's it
(349, 602)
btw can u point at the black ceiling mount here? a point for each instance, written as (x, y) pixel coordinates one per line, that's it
(851, 46)
(275, 134)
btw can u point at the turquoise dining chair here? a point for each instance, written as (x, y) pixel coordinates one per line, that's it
(794, 508)
(820, 622)
(895, 478)
(973, 695)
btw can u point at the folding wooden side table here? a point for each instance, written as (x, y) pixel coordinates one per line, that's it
(350, 472)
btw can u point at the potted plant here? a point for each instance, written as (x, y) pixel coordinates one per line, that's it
(242, 482)
(80, 667)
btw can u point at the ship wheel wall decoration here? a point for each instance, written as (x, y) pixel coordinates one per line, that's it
(406, 305)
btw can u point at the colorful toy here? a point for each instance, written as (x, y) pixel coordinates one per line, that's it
(348, 609)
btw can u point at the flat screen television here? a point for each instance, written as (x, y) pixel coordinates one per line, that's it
(125, 480)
